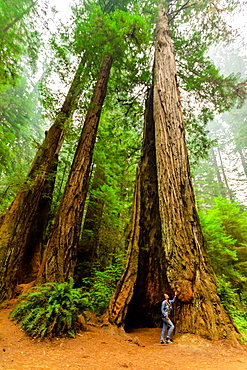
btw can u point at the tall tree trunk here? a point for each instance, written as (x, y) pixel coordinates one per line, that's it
(123, 294)
(222, 191)
(229, 192)
(88, 250)
(148, 276)
(37, 237)
(243, 160)
(188, 267)
(60, 256)
(179, 262)
(22, 214)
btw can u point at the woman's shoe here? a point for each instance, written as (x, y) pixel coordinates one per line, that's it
(169, 340)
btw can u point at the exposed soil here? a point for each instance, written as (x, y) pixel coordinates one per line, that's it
(103, 348)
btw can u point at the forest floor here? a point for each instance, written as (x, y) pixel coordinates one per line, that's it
(97, 348)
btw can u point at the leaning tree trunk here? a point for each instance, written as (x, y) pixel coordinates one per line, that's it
(229, 191)
(243, 160)
(60, 257)
(178, 261)
(88, 249)
(37, 237)
(222, 190)
(89, 243)
(22, 214)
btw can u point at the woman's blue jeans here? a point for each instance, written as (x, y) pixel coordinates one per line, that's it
(167, 325)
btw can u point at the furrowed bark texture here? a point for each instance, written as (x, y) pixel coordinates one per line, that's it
(144, 308)
(187, 269)
(119, 303)
(142, 283)
(37, 237)
(60, 257)
(168, 241)
(22, 215)
(89, 246)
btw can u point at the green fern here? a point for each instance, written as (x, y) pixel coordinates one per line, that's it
(50, 310)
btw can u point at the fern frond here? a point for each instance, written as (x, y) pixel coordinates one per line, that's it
(50, 310)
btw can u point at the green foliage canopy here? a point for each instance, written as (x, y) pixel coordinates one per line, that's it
(18, 38)
(225, 230)
(206, 91)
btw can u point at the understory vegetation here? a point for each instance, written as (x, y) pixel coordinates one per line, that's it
(48, 79)
(51, 310)
(224, 227)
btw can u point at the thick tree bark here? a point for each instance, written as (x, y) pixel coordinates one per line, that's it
(60, 256)
(171, 253)
(88, 250)
(22, 214)
(89, 245)
(118, 306)
(150, 278)
(37, 236)
(188, 268)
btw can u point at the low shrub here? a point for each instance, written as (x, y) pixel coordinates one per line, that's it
(233, 306)
(51, 310)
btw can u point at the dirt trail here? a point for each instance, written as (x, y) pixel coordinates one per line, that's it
(104, 349)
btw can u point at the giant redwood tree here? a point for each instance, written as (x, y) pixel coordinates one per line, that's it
(60, 256)
(23, 218)
(23, 213)
(165, 247)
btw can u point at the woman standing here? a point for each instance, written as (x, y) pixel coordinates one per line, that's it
(166, 308)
